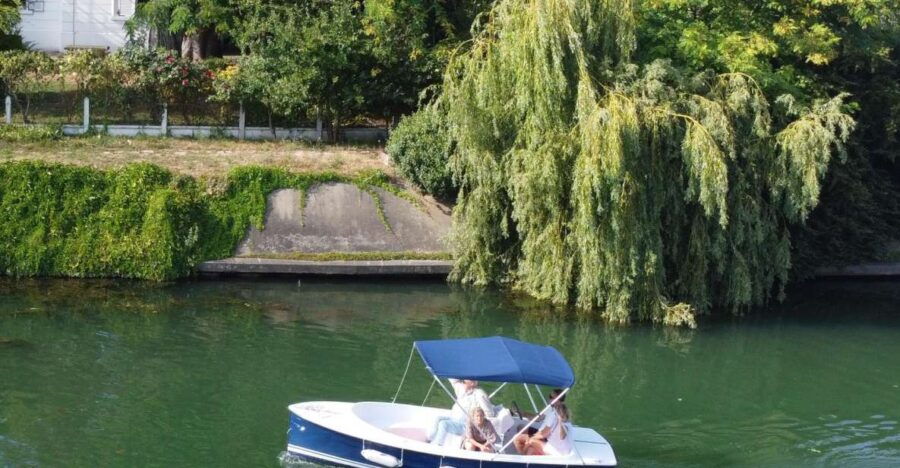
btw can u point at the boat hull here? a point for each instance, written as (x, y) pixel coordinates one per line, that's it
(316, 443)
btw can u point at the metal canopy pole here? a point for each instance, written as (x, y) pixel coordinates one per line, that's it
(540, 394)
(533, 406)
(403, 379)
(497, 390)
(429, 393)
(438, 380)
(530, 423)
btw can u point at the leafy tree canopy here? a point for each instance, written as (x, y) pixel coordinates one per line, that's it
(810, 49)
(645, 191)
(9, 18)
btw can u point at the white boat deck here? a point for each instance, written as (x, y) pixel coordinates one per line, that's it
(405, 426)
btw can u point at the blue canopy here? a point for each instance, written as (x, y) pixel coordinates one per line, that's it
(496, 359)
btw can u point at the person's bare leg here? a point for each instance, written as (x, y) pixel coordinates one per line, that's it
(535, 448)
(520, 443)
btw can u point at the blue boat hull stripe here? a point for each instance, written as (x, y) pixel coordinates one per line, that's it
(326, 457)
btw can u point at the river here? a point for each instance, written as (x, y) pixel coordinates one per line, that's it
(199, 373)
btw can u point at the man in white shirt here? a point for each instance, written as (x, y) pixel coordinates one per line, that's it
(468, 396)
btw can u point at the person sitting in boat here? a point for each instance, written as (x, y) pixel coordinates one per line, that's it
(554, 437)
(468, 396)
(480, 433)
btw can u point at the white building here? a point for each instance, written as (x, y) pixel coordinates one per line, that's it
(56, 25)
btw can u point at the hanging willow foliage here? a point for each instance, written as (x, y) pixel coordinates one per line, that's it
(641, 192)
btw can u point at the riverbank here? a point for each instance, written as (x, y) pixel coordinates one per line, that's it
(146, 221)
(82, 207)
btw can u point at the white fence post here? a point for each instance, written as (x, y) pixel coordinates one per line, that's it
(87, 115)
(8, 110)
(164, 126)
(242, 122)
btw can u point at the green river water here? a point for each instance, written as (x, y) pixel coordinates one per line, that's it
(199, 373)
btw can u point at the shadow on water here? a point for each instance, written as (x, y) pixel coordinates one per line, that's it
(205, 369)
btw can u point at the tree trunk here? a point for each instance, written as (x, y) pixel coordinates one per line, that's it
(193, 45)
(190, 46)
(200, 45)
(335, 130)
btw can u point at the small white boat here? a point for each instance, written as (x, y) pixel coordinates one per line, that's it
(382, 434)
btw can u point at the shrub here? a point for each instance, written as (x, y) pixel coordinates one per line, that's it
(420, 147)
(24, 72)
(231, 85)
(83, 68)
(163, 77)
(74, 221)
(30, 133)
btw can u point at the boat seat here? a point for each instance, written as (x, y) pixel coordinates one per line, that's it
(502, 422)
(453, 441)
(408, 430)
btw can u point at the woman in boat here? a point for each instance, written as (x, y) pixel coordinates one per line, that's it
(480, 433)
(468, 396)
(554, 437)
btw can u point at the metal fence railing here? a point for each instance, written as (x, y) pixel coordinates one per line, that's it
(132, 117)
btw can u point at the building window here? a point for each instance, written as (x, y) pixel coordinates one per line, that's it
(118, 13)
(33, 6)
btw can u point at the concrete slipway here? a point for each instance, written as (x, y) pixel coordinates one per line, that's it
(341, 218)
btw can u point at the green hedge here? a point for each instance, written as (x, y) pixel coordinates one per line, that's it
(138, 222)
(420, 148)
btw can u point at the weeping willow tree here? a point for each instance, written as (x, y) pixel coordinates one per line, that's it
(644, 192)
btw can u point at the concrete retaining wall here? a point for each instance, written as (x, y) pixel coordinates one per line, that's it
(342, 218)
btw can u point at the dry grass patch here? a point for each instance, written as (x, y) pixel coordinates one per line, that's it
(200, 157)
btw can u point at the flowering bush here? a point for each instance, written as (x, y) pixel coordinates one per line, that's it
(165, 78)
(173, 79)
(243, 81)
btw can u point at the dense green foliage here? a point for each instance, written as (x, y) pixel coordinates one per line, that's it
(138, 222)
(71, 221)
(122, 83)
(22, 73)
(29, 133)
(648, 192)
(9, 17)
(341, 60)
(420, 148)
(810, 49)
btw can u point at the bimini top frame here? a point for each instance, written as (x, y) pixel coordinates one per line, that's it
(496, 359)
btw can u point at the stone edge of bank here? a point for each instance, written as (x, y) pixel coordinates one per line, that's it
(267, 266)
(868, 270)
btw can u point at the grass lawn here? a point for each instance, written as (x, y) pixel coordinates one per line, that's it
(199, 157)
